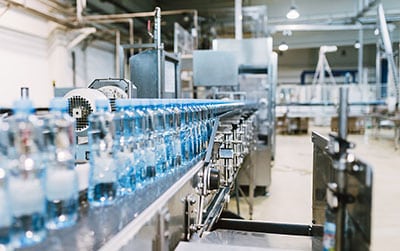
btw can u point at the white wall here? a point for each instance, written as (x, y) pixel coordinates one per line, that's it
(33, 54)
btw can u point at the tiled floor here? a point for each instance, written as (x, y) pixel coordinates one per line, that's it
(291, 189)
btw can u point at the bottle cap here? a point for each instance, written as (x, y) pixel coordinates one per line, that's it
(23, 106)
(123, 103)
(102, 104)
(59, 104)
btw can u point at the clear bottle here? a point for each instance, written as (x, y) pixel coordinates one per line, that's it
(159, 138)
(169, 133)
(103, 182)
(186, 134)
(123, 146)
(328, 241)
(176, 128)
(150, 150)
(26, 176)
(5, 212)
(62, 195)
(139, 143)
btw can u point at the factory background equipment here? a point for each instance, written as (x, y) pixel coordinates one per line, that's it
(82, 103)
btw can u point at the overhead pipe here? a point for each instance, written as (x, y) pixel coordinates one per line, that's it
(66, 10)
(36, 12)
(363, 7)
(137, 14)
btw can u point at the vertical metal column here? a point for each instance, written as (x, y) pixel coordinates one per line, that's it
(378, 69)
(157, 41)
(360, 56)
(238, 19)
(343, 112)
(341, 171)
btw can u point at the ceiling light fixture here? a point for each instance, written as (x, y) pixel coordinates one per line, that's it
(283, 46)
(357, 45)
(293, 13)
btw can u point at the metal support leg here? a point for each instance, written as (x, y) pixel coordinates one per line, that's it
(237, 197)
(340, 167)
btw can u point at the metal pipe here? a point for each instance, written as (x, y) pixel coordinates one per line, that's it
(73, 56)
(343, 112)
(36, 12)
(157, 42)
(79, 10)
(157, 28)
(340, 167)
(117, 45)
(131, 34)
(65, 10)
(378, 69)
(196, 27)
(137, 14)
(121, 57)
(238, 20)
(360, 56)
(61, 4)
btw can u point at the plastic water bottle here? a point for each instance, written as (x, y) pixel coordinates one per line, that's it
(176, 128)
(123, 146)
(26, 176)
(150, 150)
(139, 143)
(159, 138)
(203, 129)
(103, 183)
(328, 241)
(62, 195)
(5, 212)
(186, 134)
(169, 133)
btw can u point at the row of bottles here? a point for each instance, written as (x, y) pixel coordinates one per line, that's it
(144, 141)
(38, 182)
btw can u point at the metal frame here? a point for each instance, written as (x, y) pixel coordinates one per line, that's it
(345, 183)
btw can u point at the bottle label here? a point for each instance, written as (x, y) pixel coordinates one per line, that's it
(104, 170)
(5, 213)
(61, 184)
(27, 196)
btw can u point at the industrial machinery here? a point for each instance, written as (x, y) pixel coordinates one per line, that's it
(342, 188)
(177, 206)
(245, 69)
(81, 105)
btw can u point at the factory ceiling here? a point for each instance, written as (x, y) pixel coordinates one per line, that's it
(320, 21)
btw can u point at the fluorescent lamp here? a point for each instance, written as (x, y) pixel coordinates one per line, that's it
(292, 13)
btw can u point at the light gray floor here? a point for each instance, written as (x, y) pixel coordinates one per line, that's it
(291, 189)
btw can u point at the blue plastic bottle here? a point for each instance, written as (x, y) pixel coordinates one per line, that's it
(26, 176)
(151, 168)
(123, 146)
(5, 212)
(159, 137)
(62, 195)
(139, 143)
(176, 128)
(103, 183)
(169, 133)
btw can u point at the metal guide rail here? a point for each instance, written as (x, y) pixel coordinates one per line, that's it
(175, 207)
